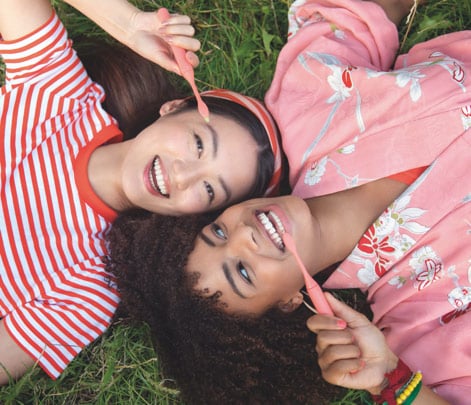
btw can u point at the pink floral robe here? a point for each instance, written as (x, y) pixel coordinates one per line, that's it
(347, 120)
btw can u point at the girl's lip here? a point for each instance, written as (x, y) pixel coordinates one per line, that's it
(273, 218)
(281, 214)
(150, 178)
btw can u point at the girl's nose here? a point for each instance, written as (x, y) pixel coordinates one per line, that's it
(243, 237)
(185, 174)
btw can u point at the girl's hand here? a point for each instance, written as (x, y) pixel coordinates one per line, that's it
(151, 38)
(352, 351)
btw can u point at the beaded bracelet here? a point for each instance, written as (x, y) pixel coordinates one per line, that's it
(408, 393)
(396, 379)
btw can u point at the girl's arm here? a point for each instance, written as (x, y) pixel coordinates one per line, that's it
(20, 17)
(396, 10)
(141, 31)
(13, 360)
(353, 353)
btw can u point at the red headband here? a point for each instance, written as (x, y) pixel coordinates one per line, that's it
(259, 110)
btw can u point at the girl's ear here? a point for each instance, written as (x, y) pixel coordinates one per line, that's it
(293, 303)
(171, 106)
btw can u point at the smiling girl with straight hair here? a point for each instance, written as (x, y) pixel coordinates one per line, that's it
(67, 169)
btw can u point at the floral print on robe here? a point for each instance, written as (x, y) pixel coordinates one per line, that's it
(348, 116)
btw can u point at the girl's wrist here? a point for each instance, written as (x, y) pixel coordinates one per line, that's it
(400, 386)
(375, 391)
(391, 365)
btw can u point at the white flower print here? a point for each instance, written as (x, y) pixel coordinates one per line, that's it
(386, 239)
(348, 149)
(403, 215)
(296, 21)
(339, 34)
(466, 117)
(404, 76)
(367, 274)
(401, 243)
(427, 266)
(398, 281)
(336, 82)
(315, 172)
(460, 297)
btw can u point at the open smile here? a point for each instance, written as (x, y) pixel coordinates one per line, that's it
(157, 178)
(273, 226)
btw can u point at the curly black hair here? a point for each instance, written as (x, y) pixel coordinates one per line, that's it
(214, 357)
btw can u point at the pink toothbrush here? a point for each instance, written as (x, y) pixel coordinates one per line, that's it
(186, 68)
(315, 293)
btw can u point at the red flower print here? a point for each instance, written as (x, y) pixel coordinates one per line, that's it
(431, 273)
(347, 79)
(456, 313)
(458, 73)
(370, 243)
(466, 111)
(380, 266)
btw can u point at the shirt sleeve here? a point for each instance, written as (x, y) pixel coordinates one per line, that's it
(44, 56)
(74, 308)
(359, 32)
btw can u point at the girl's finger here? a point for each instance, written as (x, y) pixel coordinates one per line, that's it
(193, 59)
(180, 30)
(327, 338)
(187, 43)
(337, 353)
(343, 311)
(341, 371)
(177, 19)
(316, 323)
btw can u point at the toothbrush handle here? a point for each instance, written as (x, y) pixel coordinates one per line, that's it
(179, 53)
(186, 68)
(318, 299)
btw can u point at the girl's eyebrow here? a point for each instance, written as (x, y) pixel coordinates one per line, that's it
(231, 282)
(214, 138)
(206, 240)
(225, 269)
(215, 142)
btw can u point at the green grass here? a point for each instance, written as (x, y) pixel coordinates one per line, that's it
(241, 40)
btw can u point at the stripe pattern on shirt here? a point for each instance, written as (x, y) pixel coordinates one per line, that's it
(55, 296)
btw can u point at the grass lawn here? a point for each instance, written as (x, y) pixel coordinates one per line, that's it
(240, 43)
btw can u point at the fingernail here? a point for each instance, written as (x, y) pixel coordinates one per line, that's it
(362, 364)
(341, 324)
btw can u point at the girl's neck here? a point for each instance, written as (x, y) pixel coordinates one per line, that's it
(104, 175)
(343, 217)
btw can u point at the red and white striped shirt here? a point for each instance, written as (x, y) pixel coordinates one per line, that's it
(55, 296)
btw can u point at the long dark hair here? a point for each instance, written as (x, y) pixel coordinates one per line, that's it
(135, 88)
(214, 357)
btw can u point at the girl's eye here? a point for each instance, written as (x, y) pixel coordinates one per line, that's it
(210, 191)
(218, 231)
(243, 272)
(199, 145)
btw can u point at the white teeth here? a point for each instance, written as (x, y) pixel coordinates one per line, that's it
(272, 229)
(157, 178)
